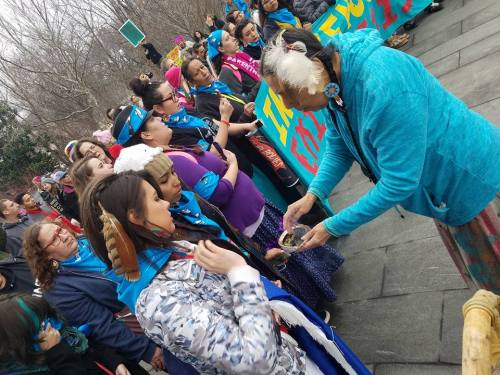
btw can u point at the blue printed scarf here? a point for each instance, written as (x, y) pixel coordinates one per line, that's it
(181, 119)
(190, 210)
(241, 5)
(214, 87)
(284, 18)
(85, 260)
(259, 43)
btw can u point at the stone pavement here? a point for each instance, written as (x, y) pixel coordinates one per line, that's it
(399, 294)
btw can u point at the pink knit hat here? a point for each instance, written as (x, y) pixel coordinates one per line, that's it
(103, 136)
(178, 39)
(173, 76)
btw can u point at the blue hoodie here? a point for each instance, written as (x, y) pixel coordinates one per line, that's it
(428, 151)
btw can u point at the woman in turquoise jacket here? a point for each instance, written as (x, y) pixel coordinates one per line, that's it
(420, 145)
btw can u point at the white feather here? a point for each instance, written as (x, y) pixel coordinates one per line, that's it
(294, 317)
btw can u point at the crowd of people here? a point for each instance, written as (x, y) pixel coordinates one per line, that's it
(160, 242)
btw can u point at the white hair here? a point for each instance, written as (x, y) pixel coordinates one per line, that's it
(291, 65)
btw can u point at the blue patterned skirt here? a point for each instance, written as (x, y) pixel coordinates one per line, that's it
(310, 271)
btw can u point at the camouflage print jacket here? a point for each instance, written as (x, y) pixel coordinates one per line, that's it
(219, 324)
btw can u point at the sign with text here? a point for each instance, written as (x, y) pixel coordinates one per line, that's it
(175, 55)
(298, 136)
(132, 33)
(350, 15)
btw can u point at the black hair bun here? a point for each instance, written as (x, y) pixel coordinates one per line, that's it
(138, 87)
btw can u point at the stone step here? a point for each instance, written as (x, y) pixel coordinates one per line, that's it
(464, 40)
(476, 83)
(410, 369)
(454, 12)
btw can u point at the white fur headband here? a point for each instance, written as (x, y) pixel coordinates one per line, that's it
(135, 158)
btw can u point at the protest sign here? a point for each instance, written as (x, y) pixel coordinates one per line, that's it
(175, 55)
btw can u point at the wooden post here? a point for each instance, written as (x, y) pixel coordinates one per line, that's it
(481, 314)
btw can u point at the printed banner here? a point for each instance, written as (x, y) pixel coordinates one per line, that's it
(298, 136)
(350, 15)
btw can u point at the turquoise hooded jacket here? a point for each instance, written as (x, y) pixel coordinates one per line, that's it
(428, 151)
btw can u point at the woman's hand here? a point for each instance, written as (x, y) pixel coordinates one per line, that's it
(225, 109)
(307, 26)
(230, 158)
(216, 259)
(315, 237)
(157, 360)
(3, 281)
(49, 337)
(249, 108)
(273, 253)
(251, 126)
(297, 209)
(122, 370)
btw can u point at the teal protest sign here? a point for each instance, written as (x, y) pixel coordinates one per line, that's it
(132, 33)
(350, 15)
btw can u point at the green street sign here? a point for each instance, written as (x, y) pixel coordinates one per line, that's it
(132, 33)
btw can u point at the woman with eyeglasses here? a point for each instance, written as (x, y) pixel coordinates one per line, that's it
(72, 279)
(189, 128)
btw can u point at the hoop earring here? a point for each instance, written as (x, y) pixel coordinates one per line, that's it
(54, 265)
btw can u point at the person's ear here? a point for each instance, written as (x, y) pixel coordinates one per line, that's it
(146, 135)
(158, 108)
(133, 218)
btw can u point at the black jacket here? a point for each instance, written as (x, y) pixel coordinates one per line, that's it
(242, 85)
(69, 203)
(254, 52)
(151, 53)
(311, 10)
(208, 105)
(17, 275)
(62, 360)
(14, 233)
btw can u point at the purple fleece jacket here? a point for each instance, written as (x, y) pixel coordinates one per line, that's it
(241, 205)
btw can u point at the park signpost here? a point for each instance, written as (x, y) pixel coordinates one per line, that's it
(132, 33)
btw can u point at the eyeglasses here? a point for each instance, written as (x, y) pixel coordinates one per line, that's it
(172, 97)
(56, 238)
